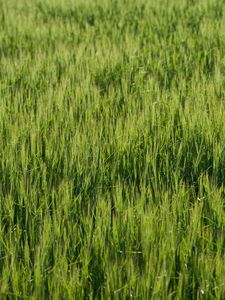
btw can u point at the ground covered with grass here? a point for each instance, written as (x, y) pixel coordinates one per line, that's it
(112, 149)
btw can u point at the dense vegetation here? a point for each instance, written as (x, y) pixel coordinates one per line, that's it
(112, 149)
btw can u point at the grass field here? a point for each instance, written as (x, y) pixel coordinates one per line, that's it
(112, 149)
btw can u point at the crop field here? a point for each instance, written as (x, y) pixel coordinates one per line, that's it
(112, 149)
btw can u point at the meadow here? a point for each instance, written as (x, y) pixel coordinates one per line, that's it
(112, 149)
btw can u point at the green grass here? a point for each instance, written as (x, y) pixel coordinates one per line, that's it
(112, 149)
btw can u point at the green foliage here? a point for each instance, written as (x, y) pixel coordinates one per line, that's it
(112, 156)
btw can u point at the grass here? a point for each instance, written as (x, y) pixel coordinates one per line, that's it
(112, 149)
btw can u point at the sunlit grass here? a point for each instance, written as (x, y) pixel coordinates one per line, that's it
(112, 156)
